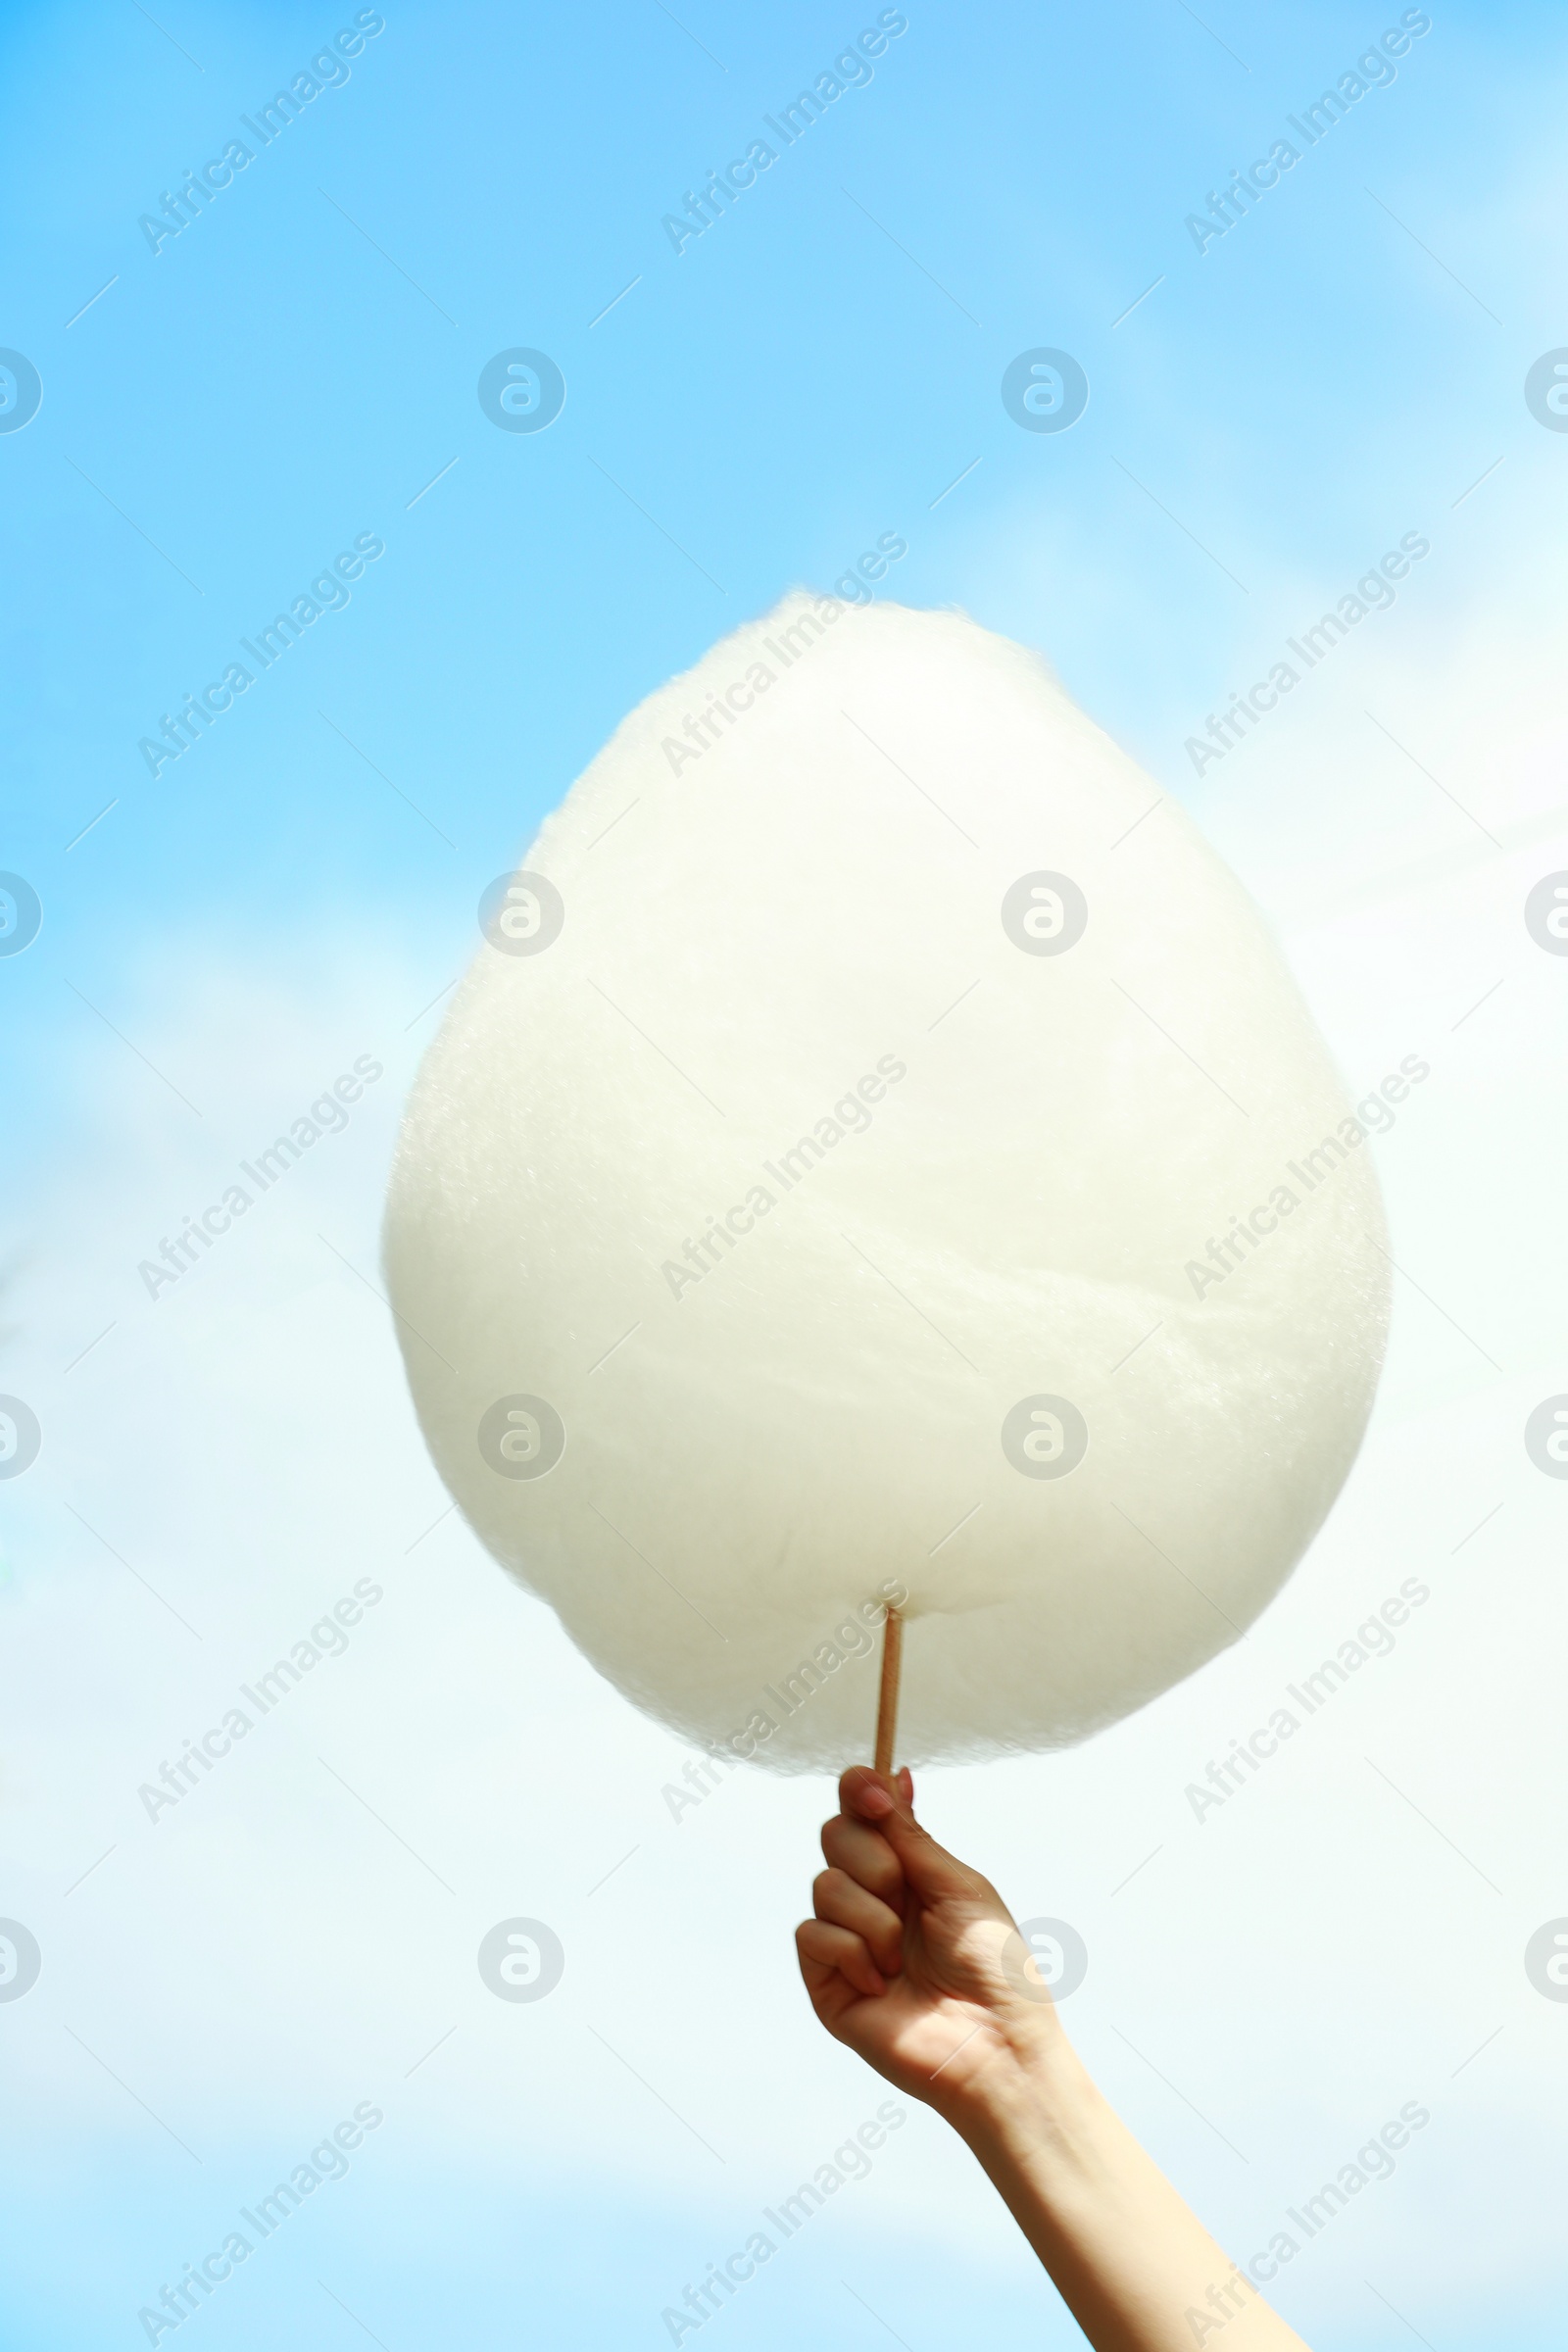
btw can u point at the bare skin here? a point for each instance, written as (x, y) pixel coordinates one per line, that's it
(914, 1962)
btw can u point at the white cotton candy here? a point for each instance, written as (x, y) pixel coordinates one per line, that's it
(803, 1205)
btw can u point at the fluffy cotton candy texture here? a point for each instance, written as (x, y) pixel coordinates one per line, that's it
(783, 1173)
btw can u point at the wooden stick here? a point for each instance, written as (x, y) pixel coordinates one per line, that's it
(887, 1710)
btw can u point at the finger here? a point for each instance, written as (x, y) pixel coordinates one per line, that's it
(829, 1993)
(928, 1867)
(865, 1795)
(820, 1975)
(835, 1947)
(872, 1794)
(866, 1854)
(837, 1898)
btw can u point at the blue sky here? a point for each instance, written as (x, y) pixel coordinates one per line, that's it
(297, 369)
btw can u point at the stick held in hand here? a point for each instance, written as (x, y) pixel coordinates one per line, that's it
(887, 1710)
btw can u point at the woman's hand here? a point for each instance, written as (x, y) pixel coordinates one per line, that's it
(914, 1961)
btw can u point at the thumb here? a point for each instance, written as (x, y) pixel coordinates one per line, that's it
(929, 1869)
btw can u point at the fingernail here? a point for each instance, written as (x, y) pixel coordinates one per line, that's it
(872, 1799)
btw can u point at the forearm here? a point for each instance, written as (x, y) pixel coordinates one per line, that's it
(1130, 2260)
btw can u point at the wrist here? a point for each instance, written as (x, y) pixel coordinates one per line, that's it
(1031, 2090)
